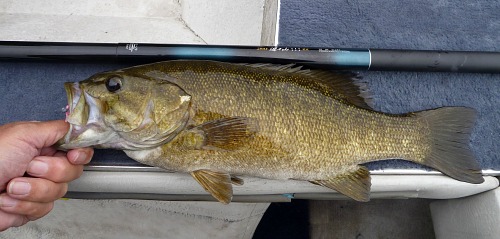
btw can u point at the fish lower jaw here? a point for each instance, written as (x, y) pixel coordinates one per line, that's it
(87, 136)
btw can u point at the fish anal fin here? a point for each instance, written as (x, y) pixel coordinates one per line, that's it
(354, 184)
(216, 183)
(228, 133)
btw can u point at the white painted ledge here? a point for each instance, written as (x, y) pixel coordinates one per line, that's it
(181, 186)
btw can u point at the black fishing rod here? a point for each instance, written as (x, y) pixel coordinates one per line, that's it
(329, 58)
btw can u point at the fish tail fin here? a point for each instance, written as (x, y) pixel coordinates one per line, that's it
(450, 129)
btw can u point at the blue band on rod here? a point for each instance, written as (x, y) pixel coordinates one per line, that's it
(357, 58)
(199, 51)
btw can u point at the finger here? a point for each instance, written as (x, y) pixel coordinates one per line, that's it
(32, 210)
(52, 130)
(43, 134)
(48, 151)
(56, 169)
(80, 156)
(8, 220)
(36, 189)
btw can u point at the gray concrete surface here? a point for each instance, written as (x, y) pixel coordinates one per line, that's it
(476, 216)
(409, 219)
(154, 21)
(122, 219)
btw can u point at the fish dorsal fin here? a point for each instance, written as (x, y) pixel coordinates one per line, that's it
(228, 133)
(342, 85)
(216, 183)
(348, 85)
(354, 184)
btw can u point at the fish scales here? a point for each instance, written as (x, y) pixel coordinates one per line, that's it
(312, 132)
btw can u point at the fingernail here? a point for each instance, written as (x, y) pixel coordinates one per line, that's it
(19, 188)
(7, 201)
(38, 168)
(81, 158)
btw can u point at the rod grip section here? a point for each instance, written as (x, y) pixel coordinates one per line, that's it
(445, 61)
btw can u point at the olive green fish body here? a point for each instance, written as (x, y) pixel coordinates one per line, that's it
(269, 121)
(302, 133)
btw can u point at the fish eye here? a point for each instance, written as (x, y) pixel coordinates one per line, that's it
(113, 84)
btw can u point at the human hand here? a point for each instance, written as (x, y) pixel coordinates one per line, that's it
(26, 147)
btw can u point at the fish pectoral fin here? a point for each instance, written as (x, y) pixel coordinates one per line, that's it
(354, 184)
(227, 133)
(216, 183)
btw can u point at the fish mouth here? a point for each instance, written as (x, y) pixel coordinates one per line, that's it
(86, 123)
(77, 109)
(68, 86)
(76, 112)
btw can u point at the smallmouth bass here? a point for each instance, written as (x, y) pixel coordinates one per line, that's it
(218, 120)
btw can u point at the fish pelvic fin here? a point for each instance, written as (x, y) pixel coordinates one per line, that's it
(237, 181)
(218, 184)
(450, 129)
(354, 184)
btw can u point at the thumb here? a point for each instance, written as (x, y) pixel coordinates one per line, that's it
(45, 134)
